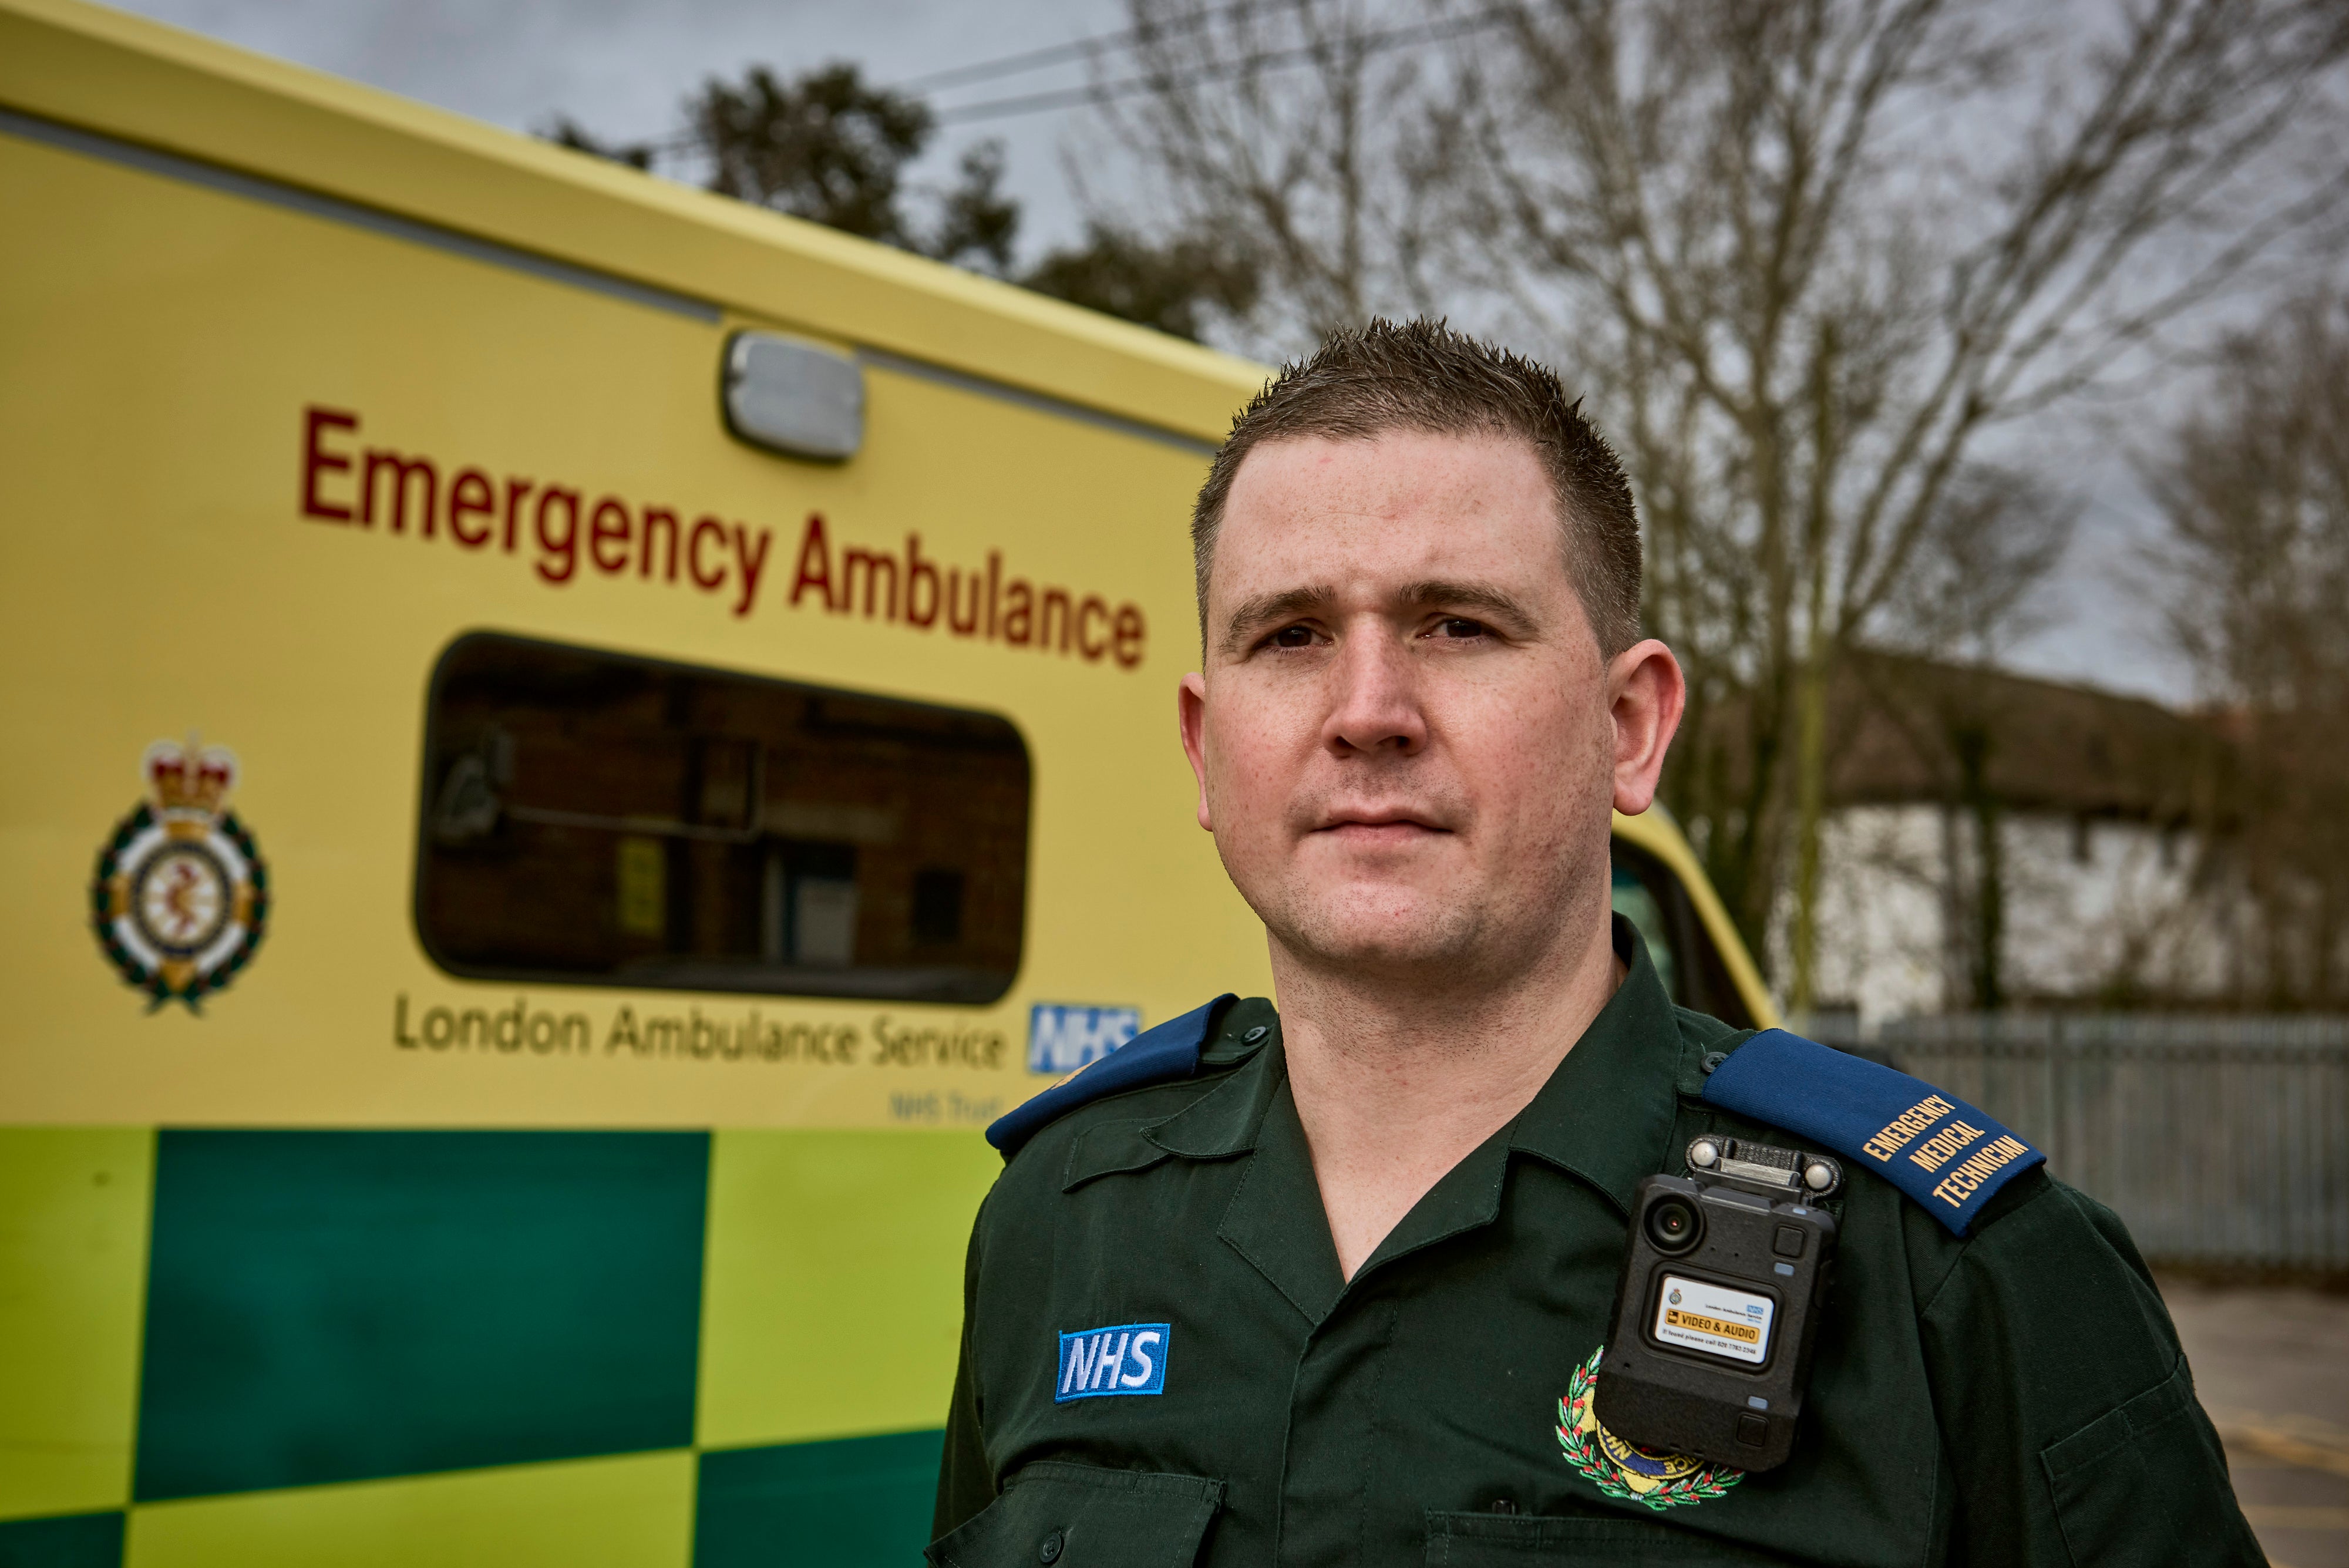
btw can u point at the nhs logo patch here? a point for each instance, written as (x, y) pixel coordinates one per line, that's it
(1063, 1038)
(1128, 1359)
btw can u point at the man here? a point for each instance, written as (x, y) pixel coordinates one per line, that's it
(1331, 1286)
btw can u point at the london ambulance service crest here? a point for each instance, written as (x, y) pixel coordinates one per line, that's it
(181, 897)
(1620, 1470)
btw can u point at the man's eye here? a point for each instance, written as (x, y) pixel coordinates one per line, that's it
(1291, 637)
(1460, 626)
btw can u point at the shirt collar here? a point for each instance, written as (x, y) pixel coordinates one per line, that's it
(1606, 1114)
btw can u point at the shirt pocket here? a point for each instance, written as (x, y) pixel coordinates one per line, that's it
(1055, 1514)
(2147, 1483)
(1588, 1540)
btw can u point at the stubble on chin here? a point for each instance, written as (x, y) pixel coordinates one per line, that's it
(1407, 935)
(1457, 928)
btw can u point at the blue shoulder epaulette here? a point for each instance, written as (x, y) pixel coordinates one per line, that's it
(1159, 1055)
(1940, 1150)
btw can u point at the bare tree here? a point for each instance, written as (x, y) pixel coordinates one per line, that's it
(1992, 540)
(2255, 484)
(1304, 132)
(1809, 253)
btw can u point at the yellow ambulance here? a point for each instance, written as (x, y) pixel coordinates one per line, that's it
(571, 742)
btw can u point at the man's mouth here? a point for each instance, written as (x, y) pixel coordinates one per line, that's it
(1378, 827)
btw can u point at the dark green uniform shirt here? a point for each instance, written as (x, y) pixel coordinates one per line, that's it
(2014, 1397)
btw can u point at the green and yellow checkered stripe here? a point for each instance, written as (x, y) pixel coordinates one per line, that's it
(305, 1347)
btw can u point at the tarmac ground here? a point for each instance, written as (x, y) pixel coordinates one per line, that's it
(2272, 1367)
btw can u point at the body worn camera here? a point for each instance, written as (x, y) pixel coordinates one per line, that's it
(1719, 1303)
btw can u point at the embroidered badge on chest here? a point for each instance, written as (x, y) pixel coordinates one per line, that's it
(1130, 1358)
(1620, 1470)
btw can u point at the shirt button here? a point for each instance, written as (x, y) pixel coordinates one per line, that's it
(1503, 1505)
(1713, 1059)
(1255, 1035)
(1050, 1550)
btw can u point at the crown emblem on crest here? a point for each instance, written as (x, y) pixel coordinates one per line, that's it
(191, 778)
(181, 896)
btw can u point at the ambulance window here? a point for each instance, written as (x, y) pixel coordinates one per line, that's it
(598, 819)
(1648, 895)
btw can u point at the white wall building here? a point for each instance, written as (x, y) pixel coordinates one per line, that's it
(2098, 888)
(2095, 909)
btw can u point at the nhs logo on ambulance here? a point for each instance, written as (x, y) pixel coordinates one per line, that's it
(1062, 1038)
(1128, 1359)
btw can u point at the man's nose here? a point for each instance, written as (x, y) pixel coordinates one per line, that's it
(1375, 701)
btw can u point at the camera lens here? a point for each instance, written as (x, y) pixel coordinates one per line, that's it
(1673, 1226)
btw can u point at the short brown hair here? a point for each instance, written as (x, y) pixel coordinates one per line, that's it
(1422, 375)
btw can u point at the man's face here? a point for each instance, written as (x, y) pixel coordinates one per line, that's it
(1406, 739)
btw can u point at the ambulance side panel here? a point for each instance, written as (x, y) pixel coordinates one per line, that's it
(275, 1302)
(324, 416)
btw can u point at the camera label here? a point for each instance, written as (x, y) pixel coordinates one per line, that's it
(1713, 1319)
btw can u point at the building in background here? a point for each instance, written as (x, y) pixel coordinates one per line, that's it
(1998, 841)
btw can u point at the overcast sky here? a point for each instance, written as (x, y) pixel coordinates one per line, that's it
(619, 67)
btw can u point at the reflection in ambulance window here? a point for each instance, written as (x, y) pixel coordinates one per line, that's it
(1648, 896)
(599, 819)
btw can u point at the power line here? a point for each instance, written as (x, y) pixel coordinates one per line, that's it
(1071, 98)
(1012, 64)
(685, 141)
(1058, 54)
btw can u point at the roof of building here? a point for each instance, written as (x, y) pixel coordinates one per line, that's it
(1905, 729)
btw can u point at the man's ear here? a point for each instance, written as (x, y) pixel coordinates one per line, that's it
(1191, 718)
(1645, 695)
